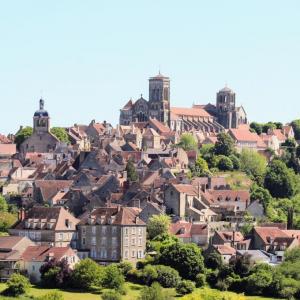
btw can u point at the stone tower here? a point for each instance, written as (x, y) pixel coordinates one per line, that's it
(41, 119)
(159, 98)
(226, 108)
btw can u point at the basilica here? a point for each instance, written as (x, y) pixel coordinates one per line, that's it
(207, 118)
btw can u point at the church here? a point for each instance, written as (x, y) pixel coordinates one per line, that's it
(41, 140)
(207, 118)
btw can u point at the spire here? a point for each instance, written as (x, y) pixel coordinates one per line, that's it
(42, 102)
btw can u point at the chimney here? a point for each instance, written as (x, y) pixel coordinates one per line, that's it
(137, 218)
(199, 190)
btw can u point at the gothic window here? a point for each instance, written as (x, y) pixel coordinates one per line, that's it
(166, 94)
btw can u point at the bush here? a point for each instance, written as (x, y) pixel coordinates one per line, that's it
(224, 163)
(113, 278)
(185, 287)
(52, 296)
(125, 267)
(17, 285)
(87, 274)
(200, 280)
(167, 276)
(111, 295)
(154, 292)
(148, 274)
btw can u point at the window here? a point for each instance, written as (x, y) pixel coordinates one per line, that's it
(140, 231)
(61, 236)
(140, 242)
(103, 229)
(140, 254)
(114, 241)
(114, 229)
(83, 230)
(126, 242)
(126, 231)
(133, 241)
(114, 254)
(133, 253)
(93, 253)
(103, 253)
(93, 229)
(126, 254)
(83, 241)
(103, 240)
(133, 230)
(33, 268)
(93, 241)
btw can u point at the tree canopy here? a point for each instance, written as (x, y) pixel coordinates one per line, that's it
(60, 133)
(158, 225)
(187, 142)
(224, 144)
(22, 135)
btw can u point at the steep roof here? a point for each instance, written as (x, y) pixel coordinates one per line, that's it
(189, 112)
(267, 234)
(224, 249)
(186, 189)
(159, 126)
(244, 135)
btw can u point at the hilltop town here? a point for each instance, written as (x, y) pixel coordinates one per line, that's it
(183, 196)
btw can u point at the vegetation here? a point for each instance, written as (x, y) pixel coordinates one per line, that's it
(22, 135)
(17, 285)
(60, 133)
(188, 142)
(131, 172)
(158, 225)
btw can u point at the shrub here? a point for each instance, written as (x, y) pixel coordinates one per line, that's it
(17, 285)
(149, 274)
(113, 278)
(167, 276)
(224, 163)
(154, 292)
(200, 280)
(87, 274)
(125, 267)
(185, 287)
(111, 295)
(52, 296)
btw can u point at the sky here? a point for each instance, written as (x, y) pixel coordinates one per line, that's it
(88, 58)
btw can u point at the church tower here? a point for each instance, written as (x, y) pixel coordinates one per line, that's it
(159, 98)
(41, 119)
(226, 108)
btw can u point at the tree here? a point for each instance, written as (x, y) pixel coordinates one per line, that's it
(253, 164)
(148, 274)
(55, 273)
(60, 134)
(3, 204)
(213, 261)
(296, 127)
(200, 280)
(6, 221)
(17, 285)
(113, 278)
(224, 163)
(87, 274)
(22, 135)
(280, 180)
(188, 142)
(185, 287)
(261, 194)
(167, 276)
(111, 295)
(185, 258)
(241, 265)
(158, 225)
(224, 144)
(235, 162)
(200, 168)
(256, 127)
(131, 171)
(268, 126)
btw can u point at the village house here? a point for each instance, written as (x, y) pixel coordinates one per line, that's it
(11, 251)
(112, 234)
(52, 226)
(36, 256)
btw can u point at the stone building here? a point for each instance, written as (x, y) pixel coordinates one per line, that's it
(41, 140)
(112, 234)
(206, 118)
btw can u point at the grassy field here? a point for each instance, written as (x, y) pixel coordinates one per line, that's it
(237, 180)
(133, 291)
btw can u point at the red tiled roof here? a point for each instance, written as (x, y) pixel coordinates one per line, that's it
(268, 233)
(244, 135)
(228, 236)
(49, 188)
(278, 133)
(189, 112)
(159, 126)
(225, 250)
(4, 139)
(230, 195)
(186, 189)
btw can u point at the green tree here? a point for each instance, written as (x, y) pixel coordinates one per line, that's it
(22, 135)
(280, 180)
(185, 287)
(3, 204)
(188, 142)
(6, 221)
(213, 261)
(113, 278)
(17, 285)
(87, 274)
(261, 194)
(224, 163)
(296, 127)
(167, 276)
(185, 258)
(256, 127)
(235, 162)
(200, 168)
(268, 126)
(158, 225)
(253, 164)
(224, 144)
(131, 171)
(60, 133)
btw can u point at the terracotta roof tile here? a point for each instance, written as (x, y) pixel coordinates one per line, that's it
(189, 112)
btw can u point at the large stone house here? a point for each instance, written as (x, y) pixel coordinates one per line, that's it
(112, 234)
(53, 226)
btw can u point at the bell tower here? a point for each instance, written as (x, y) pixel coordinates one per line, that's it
(41, 119)
(159, 98)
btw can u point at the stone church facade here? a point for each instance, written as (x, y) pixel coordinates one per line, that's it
(223, 115)
(41, 140)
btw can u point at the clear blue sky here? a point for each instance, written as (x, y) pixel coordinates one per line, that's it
(89, 57)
